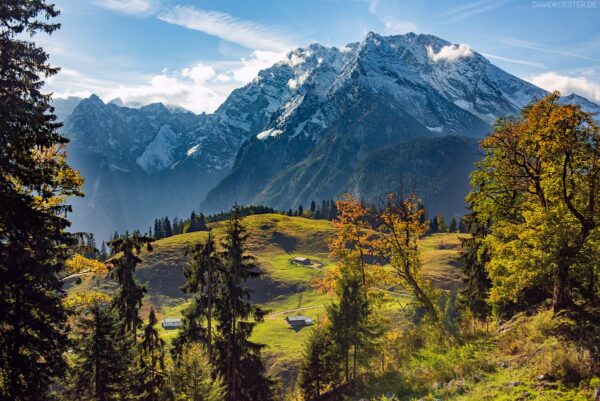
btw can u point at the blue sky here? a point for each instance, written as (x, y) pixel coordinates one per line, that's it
(193, 53)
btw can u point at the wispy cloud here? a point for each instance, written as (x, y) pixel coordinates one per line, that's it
(393, 20)
(449, 52)
(567, 85)
(534, 46)
(515, 61)
(133, 7)
(249, 34)
(468, 10)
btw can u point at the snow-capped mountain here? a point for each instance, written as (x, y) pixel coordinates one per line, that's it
(312, 126)
(379, 93)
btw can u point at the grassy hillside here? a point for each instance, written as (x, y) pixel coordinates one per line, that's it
(284, 288)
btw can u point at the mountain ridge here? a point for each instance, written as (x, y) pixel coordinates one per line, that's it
(301, 130)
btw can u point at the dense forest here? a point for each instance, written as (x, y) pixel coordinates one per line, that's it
(530, 266)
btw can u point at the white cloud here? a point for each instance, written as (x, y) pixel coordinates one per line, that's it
(249, 34)
(567, 85)
(133, 7)
(450, 52)
(199, 73)
(250, 67)
(200, 88)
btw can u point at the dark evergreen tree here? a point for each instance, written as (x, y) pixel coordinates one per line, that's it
(152, 361)
(453, 225)
(320, 367)
(238, 359)
(300, 210)
(203, 277)
(197, 223)
(102, 357)
(351, 326)
(313, 206)
(290, 212)
(434, 226)
(475, 256)
(167, 228)
(103, 252)
(128, 299)
(34, 180)
(332, 210)
(158, 232)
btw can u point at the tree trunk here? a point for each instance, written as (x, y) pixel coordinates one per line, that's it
(561, 298)
(354, 362)
(421, 296)
(209, 312)
(347, 364)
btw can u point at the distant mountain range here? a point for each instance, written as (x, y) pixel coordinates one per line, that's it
(387, 112)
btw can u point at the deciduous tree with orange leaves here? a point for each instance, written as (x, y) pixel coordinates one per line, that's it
(539, 185)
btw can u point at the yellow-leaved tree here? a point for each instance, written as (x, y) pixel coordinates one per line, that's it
(539, 186)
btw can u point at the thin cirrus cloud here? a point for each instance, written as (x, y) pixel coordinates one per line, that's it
(515, 61)
(249, 34)
(545, 49)
(566, 85)
(132, 7)
(468, 10)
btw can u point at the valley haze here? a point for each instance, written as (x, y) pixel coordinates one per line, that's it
(313, 126)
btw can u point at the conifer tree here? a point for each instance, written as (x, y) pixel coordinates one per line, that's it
(128, 299)
(453, 225)
(103, 252)
(152, 361)
(167, 228)
(34, 181)
(300, 210)
(434, 226)
(352, 330)
(319, 369)
(313, 206)
(333, 212)
(238, 359)
(158, 232)
(203, 277)
(191, 377)
(102, 357)
(475, 256)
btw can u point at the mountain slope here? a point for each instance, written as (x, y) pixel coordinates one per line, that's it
(303, 129)
(387, 91)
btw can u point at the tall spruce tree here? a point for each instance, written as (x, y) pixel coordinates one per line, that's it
(320, 367)
(102, 355)
(350, 320)
(34, 181)
(203, 277)
(475, 256)
(239, 359)
(128, 299)
(152, 361)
